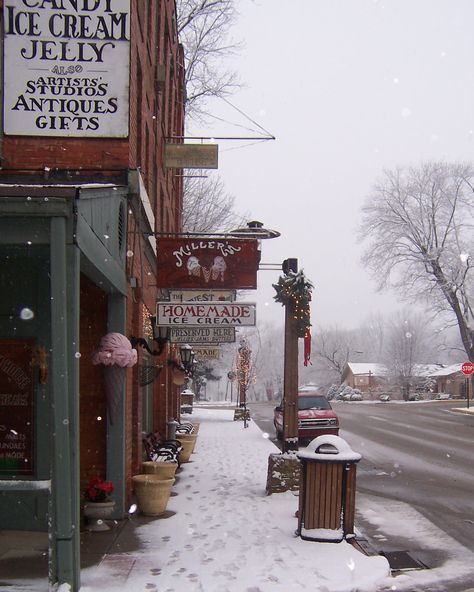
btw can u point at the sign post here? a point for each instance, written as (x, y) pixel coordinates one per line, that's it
(467, 369)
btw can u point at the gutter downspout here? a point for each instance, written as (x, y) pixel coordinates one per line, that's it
(64, 525)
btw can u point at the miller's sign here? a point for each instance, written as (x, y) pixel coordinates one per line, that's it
(209, 264)
(66, 67)
(202, 335)
(208, 314)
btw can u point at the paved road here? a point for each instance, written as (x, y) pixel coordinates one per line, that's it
(419, 453)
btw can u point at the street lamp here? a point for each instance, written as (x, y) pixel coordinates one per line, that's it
(187, 357)
(254, 229)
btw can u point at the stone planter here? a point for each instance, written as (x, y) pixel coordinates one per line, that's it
(152, 493)
(164, 470)
(96, 513)
(196, 425)
(188, 442)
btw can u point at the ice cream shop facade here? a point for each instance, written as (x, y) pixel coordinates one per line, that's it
(83, 191)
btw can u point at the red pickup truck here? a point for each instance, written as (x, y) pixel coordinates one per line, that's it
(315, 416)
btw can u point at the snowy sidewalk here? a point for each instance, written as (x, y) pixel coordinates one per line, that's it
(225, 534)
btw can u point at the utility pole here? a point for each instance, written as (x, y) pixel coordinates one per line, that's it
(243, 377)
(290, 381)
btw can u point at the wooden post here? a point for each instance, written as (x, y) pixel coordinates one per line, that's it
(290, 385)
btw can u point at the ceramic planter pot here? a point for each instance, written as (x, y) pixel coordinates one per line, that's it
(96, 513)
(152, 493)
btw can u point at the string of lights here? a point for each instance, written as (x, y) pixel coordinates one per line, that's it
(295, 289)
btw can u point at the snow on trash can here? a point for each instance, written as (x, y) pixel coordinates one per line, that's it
(187, 399)
(327, 490)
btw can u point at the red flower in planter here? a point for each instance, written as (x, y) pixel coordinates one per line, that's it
(98, 490)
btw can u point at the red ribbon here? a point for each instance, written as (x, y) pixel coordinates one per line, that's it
(307, 347)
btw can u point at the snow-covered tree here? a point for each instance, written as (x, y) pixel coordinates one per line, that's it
(419, 223)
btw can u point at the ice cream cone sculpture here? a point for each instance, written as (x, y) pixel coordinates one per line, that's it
(116, 354)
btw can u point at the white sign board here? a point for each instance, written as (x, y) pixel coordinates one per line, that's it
(230, 314)
(202, 335)
(66, 68)
(202, 295)
(207, 353)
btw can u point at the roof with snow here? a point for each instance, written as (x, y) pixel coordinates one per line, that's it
(420, 370)
(426, 369)
(366, 368)
(453, 369)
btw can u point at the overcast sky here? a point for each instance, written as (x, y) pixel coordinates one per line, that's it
(349, 88)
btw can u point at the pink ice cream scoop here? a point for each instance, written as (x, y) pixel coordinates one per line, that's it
(115, 349)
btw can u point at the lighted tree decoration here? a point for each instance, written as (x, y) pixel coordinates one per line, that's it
(294, 290)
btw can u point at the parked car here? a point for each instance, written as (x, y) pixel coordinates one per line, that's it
(315, 416)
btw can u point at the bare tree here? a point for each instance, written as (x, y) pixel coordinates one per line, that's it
(207, 207)
(419, 224)
(332, 350)
(203, 29)
(406, 347)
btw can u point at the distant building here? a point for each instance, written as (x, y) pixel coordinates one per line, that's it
(450, 380)
(365, 377)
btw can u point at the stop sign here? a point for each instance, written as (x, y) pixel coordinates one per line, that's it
(467, 368)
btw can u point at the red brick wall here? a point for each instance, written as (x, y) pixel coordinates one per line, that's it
(28, 154)
(93, 414)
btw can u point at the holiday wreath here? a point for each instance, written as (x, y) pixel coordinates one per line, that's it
(295, 289)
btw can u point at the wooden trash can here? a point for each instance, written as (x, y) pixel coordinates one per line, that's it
(327, 490)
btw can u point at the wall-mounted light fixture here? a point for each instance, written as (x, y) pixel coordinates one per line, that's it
(187, 364)
(161, 335)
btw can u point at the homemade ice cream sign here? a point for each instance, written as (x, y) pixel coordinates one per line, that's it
(66, 67)
(207, 263)
(225, 314)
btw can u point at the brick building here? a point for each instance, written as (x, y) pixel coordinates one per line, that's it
(91, 92)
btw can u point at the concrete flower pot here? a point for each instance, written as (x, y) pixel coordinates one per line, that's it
(152, 493)
(164, 470)
(188, 441)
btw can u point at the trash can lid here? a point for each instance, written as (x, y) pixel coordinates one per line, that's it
(329, 448)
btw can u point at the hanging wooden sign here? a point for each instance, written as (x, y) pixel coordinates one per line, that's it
(202, 335)
(209, 264)
(202, 295)
(226, 314)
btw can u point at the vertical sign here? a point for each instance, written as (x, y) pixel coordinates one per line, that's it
(16, 408)
(66, 69)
